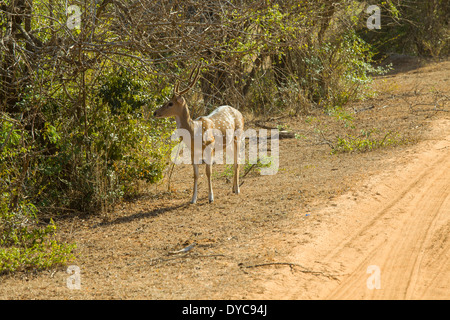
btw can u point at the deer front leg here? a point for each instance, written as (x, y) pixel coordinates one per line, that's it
(194, 196)
(208, 175)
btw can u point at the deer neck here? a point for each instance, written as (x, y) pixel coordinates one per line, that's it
(184, 120)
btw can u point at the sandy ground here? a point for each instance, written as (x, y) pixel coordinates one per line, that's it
(396, 229)
(361, 225)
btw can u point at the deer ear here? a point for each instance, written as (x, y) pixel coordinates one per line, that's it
(180, 99)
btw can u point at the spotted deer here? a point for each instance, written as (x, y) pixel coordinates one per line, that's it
(217, 125)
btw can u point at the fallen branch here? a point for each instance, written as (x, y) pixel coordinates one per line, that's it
(286, 135)
(156, 261)
(292, 265)
(432, 110)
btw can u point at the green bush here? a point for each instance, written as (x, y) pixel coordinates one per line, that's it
(88, 163)
(24, 244)
(366, 141)
(71, 164)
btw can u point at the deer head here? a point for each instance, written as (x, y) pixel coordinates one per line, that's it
(177, 104)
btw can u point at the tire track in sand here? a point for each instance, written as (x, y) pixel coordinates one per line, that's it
(401, 224)
(407, 240)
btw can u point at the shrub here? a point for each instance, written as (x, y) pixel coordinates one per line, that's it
(26, 245)
(366, 141)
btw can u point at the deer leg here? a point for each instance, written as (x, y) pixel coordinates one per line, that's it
(208, 175)
(194, 196)
(236, 167)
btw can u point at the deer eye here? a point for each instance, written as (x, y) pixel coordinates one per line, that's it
(170, 104)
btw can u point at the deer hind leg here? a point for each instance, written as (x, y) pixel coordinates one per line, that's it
(194, 196)
(236, 165)
(208, 175)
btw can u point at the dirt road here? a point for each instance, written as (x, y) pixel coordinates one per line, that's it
(394, 243)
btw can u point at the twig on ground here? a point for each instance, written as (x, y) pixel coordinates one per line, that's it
(156, 261)
(326, 141)
(292, 265)
(247, 172)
